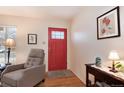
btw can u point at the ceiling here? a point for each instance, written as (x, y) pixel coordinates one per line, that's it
(64, 12)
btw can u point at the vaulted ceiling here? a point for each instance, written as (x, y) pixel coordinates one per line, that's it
(64, 12)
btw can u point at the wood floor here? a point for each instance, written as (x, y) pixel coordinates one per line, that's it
(70, 81)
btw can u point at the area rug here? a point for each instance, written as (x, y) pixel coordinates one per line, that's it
(62, 73)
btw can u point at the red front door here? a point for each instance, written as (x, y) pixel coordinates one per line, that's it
(57, 48)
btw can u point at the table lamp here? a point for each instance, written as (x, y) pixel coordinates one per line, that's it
(113, 55)
(9, 43)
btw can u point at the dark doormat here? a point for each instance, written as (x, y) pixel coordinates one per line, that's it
(62, 73)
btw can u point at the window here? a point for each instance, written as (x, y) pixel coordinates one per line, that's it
(7, 32)
(57, 35)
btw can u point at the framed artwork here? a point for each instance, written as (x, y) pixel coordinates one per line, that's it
(108, 24)
(32, 38)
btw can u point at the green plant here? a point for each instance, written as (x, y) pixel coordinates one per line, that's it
(119, 66)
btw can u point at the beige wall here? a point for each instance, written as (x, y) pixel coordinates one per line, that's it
(37, 26)
(84, 44)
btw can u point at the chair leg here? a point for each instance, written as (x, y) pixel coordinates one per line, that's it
(43, 80)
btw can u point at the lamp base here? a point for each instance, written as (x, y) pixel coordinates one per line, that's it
(8, 63)
(115, 71)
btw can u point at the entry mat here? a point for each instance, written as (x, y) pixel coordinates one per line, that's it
(61, 73)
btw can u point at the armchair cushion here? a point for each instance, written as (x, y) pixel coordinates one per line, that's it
(32, 62)
(37, 53)
(11, 68)
(11, 78)
(36, 57)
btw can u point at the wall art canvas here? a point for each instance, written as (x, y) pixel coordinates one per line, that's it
(108, 25)
(32, 38)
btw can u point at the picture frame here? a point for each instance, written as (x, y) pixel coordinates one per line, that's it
(108, 24)
(32, 38)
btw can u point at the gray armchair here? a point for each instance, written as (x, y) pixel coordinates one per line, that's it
(25, 75)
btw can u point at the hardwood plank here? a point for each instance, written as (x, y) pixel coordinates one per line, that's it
(70, 81)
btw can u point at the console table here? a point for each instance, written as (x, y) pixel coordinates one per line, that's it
(104, 75)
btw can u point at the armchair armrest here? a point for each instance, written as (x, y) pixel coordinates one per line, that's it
(32, 75)
(35, 69)
(10, 68)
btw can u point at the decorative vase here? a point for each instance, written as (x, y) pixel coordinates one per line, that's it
(98, 61)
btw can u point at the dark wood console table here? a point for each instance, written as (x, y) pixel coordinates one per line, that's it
(102, 76)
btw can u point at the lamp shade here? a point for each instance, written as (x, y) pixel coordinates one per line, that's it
(113, 55)
(10, 43)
